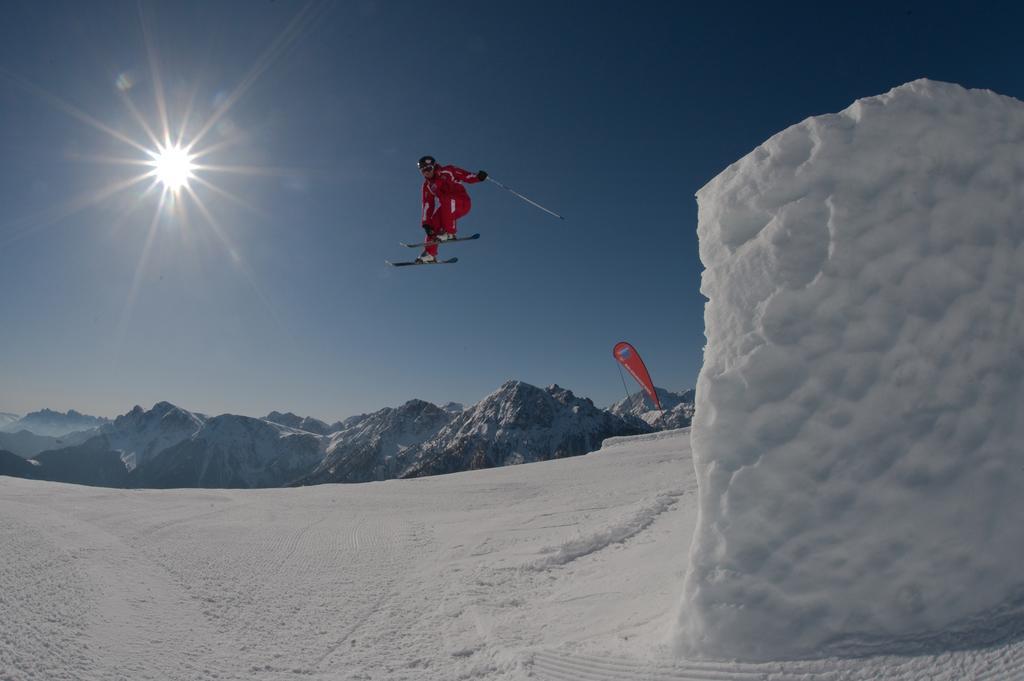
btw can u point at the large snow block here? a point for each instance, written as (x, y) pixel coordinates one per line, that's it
(859, 426)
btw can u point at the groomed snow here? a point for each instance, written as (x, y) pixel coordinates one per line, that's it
(859, 429)
(567, 569)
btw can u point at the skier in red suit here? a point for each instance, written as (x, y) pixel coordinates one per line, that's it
(445, 200)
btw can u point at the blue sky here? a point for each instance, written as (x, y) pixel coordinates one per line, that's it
(612, 114)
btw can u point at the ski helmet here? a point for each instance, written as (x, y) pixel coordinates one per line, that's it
(426, 162)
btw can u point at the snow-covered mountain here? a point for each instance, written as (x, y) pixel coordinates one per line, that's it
(233, 451)
(140, 435)
(306, 423)
(53, 423)
(454, 407)
(7, 419)
(518, 423)
(678, 408)
(108, 454)
(679, 416)
(373, 446)
(167, 446)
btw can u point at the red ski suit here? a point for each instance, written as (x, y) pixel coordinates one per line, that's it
(445, 200)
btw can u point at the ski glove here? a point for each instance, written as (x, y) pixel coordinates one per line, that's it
(481, 175)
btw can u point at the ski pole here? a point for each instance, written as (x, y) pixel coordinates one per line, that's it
(533, 203)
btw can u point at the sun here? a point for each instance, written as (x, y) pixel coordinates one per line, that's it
(173, 166)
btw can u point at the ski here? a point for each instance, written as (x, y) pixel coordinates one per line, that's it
(422, 244)
(449, 261)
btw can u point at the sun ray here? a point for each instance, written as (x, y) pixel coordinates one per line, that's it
(122, 327)
(236, 257)
(107, 160)
(185, 119)
(214, 226)
(71, 110)
(139, 118)
(137, 201)
(54, 214)
(306, 17)
(154, 69)
(254, 171)
(231, 197)
(236, 138)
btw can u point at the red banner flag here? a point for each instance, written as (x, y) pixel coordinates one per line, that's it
(628, 357)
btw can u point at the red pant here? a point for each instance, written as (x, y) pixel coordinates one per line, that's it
(450, 209)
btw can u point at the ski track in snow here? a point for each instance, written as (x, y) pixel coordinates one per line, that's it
(998, 664)
(613, 534)
(568, 569)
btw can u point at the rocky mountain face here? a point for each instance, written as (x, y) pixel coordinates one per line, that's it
(140, 435)
(680, 416)
(233, 452)
(374, 446)
(678, 408)
(306, 423)
(518, 423)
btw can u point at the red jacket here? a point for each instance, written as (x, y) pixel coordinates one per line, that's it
(446, 184)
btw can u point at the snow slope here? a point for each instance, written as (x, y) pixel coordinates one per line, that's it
(565, 569)
(860, 416)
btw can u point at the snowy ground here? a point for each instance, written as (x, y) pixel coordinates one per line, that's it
(568, 569)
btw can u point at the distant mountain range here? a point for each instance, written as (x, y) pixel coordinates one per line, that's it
(167, 446)
(678, 408)
(50, 423)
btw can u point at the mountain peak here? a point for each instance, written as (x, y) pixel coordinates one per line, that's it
(519, 423)
(307, 423)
